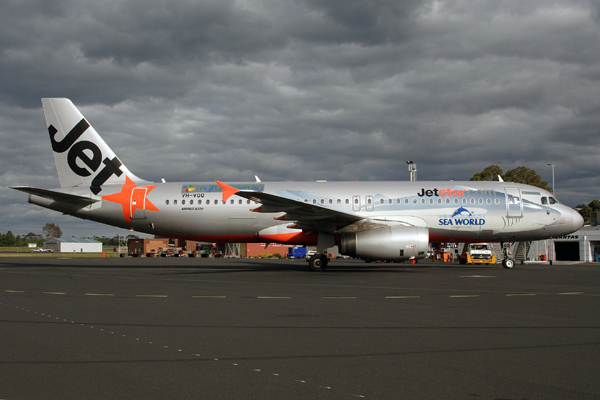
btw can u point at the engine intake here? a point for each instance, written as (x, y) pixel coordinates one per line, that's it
(396, 243)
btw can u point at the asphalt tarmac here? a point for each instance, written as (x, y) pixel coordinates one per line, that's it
(156, 328)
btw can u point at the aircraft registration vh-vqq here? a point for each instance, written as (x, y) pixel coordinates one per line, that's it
(391, 221)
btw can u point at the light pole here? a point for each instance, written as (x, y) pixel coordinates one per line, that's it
(412, 169)
(552, 165)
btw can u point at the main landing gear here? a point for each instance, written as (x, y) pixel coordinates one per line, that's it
(318, 262)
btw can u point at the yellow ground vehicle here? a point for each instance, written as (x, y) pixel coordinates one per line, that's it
(478, 253)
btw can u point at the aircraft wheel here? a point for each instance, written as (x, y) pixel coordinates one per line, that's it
(508, 263)
(318, 262)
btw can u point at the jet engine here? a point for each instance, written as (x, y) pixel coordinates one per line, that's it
(396, 243)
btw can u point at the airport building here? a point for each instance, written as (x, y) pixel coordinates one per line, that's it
(583, 245)
(73, 245)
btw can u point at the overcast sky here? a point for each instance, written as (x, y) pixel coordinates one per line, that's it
(302, 90)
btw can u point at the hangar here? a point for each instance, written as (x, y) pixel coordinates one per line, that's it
(583, 245)
(73, 245)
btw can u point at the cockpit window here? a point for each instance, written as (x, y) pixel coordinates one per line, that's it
(544, 200)
(553, 200)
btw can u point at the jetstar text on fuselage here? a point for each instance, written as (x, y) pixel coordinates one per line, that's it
(441, 193)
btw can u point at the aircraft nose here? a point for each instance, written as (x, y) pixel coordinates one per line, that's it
(577, 220)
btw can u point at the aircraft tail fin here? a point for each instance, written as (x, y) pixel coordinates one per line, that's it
(82, 157)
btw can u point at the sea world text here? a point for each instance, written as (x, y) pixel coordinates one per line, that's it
(462, 221)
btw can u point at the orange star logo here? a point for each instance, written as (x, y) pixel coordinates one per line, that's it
(131, 197)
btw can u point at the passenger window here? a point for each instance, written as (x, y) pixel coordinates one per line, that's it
(414, 201)
(339, 201)
(347, 201)
(240, 201)
(489, 201)
(455, 201)
(480, 201)
(247, 201)
(330, 201)
(232, 201)
(167, 202)
(381, 201)
(472, 201)
(439, 201)
(447, 201)
(191, 201)
(199, 201)
(430, 201)
(182, 202)
(422, 201)
(175, 202)
(405, 201)
(322, 201)
(207, 201)
(464, 201)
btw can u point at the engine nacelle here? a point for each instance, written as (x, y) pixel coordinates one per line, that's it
(396, 243)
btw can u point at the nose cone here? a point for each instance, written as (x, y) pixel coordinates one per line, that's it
(577, 220)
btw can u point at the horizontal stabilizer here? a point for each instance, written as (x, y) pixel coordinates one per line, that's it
(56, 196)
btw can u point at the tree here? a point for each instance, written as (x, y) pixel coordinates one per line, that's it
(488, 174)
(51, 231)
(9, 239)
(594, 205)
(527, 176)
(517, 175)
(585, 212)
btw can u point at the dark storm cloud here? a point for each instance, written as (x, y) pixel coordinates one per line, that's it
(303, 90)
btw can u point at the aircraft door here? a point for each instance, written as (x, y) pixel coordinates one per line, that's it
(138, 202)
(369, 203)
(355, 203)
(514, 205)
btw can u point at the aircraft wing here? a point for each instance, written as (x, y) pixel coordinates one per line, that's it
(305, 215)
(56, 196)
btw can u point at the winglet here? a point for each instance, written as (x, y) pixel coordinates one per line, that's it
(228, 191)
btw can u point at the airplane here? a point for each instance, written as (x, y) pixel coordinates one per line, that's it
(387, 221)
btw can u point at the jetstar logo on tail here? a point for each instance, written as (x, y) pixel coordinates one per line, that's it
(131, 198)
(76, 152)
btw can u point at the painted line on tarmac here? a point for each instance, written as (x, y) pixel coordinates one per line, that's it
(99, 294)
(519, 294)
(464, 295)
(14, 291)
(58, 293)
(402, 297)
(209, 297)
(273, 297)
(567, 293)
(151, 295)
(338, 297)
